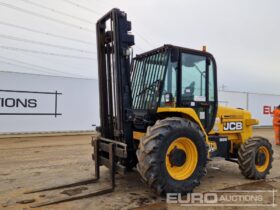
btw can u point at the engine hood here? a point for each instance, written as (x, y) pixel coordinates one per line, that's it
(234, 120)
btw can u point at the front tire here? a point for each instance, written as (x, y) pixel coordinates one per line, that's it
(255, 158)
(172, 156)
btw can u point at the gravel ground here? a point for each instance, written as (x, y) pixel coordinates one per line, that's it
(28, 163)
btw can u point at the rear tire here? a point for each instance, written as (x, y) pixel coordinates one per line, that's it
(255, 158)
(154, 156)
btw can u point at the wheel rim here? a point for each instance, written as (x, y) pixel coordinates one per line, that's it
(181, 170)
(262, 159)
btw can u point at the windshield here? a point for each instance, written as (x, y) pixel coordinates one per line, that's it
(147, 76)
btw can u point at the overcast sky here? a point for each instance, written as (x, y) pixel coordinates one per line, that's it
(57, 37)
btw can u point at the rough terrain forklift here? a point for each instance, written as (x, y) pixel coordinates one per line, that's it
(159, 112)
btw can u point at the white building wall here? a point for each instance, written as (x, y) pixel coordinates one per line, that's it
(262, 106)
(78, 103)
(233, 99)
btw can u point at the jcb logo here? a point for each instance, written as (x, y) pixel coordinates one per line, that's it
(233, 126)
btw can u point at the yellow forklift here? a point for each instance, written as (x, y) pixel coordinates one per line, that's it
(160, 112)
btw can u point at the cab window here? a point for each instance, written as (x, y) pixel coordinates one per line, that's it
(193, 77)
(169, 93)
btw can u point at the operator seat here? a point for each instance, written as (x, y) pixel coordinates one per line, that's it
(188, 94)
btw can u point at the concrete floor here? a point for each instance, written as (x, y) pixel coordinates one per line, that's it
(27, 163)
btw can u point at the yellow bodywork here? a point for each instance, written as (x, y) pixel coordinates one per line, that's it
(186, 112)
(224, 115)
(228, 115)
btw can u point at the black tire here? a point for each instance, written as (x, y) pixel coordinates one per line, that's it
(247, 155)
(152, 151)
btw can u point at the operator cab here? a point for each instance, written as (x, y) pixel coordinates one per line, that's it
(173, 76)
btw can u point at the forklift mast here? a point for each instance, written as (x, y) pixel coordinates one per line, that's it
(114, 60)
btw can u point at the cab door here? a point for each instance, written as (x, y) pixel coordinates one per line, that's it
(197, 87)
